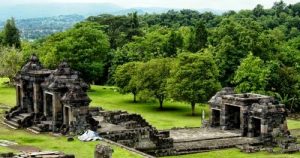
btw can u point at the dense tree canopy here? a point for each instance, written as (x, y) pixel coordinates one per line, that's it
(84, 47)
(139, 53)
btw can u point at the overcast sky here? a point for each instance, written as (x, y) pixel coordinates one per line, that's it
(192, 4)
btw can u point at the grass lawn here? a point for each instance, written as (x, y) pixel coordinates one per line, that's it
(47, 142)
(5, 150)
(175, 114)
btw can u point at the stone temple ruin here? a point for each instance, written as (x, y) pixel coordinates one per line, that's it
(56, 101)
(253, 114)
(49, 100)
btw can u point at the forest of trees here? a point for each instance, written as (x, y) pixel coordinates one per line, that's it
(180, 55)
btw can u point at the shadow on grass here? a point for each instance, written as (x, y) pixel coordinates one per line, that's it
(31, 140)
(193, 116)
(167, 109)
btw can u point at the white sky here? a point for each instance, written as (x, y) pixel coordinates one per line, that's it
(192, 4)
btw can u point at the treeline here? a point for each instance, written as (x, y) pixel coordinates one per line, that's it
(185, 55)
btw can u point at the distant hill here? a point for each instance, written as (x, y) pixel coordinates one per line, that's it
(25, 11)
(39, 20)
(35, 10)
(35, 28)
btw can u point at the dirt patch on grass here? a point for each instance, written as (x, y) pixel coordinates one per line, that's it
(23, 148)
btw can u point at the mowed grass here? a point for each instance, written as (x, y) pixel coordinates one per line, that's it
(52, 143)
(7, 93)
(175, 114)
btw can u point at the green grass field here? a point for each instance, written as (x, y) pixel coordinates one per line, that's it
(175, 114)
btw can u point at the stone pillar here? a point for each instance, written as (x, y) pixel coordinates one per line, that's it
(71, 115)
(36, 97)
(22, 95)
(103, 151)
(223, 117)
(45, 103)
(264, 128)
(64, 114)
(250, 128)
(243, 121)
(284, 126)
(57, 109)
(67, 115)
(18, 95)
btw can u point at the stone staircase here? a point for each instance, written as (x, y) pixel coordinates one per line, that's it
(21, 120)
(41, 126)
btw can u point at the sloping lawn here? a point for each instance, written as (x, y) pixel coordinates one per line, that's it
(175, 114)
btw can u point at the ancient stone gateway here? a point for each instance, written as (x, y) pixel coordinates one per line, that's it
(50, 100)
(253, 115)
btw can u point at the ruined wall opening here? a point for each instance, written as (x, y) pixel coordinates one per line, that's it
(233, 119)
(49, 105)
(256, 122)
(215, 117)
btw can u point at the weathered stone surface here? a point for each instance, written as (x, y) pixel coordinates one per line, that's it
(45, 154)
(249, 148)
(103, 151)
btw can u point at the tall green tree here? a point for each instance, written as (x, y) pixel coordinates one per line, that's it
(198, 38)
(175, 41)
(126, 78)
(194, 78)
(134, 26)
(11, 34)
(1, 37)
(258, 11)
(11, 60)
(252, 75)
(153, 76)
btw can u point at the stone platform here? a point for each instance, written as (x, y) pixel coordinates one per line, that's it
(195, 134)
(193, 140)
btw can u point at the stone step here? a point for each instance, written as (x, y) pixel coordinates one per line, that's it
(19, 117)
(11, 124)
(24, 115)
(34, 129)
(16, 120)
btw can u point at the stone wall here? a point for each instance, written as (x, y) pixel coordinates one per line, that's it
(138, 133)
